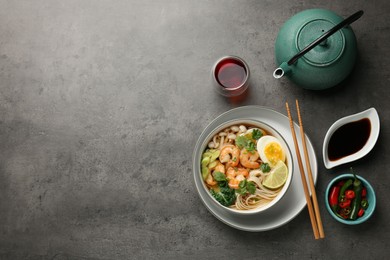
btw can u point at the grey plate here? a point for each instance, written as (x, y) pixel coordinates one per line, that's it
(294, 200)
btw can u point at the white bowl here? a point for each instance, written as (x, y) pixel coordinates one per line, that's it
(269, 129)
(373, 117)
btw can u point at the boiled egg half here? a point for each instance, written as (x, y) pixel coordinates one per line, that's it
(270, 150)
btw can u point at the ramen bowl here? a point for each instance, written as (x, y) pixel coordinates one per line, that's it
(203, 144)
(370, 196)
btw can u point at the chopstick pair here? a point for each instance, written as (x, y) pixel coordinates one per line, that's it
(315, 216)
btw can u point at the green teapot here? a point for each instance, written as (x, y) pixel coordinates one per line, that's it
(316, 49)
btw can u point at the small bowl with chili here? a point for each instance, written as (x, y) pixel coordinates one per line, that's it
(350, 199)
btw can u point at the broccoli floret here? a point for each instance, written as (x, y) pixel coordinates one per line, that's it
(226, 196)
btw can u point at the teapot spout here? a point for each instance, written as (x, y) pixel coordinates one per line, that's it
(283, 68)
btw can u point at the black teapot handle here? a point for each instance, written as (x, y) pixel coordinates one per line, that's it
(337, 27)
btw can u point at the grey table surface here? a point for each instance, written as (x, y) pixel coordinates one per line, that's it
(102, 102)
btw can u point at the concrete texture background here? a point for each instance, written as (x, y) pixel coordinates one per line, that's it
(101, 103)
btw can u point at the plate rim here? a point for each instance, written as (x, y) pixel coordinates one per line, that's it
(200, 140)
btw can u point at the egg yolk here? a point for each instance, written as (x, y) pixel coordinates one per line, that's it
(273, 152)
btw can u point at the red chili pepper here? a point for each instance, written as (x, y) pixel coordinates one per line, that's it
(349, 194)
(334, 197)
(345, 204)
(360, 213)
(364, 192)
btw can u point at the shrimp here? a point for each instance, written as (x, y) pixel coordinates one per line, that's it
(219, 168)
(248, 159)
(235, 175)
(210, 180)
(230, 155)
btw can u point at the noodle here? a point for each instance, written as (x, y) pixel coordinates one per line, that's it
(262, 195)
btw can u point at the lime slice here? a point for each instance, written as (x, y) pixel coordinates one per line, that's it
(277, 176)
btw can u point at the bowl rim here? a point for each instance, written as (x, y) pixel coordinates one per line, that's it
(371, 205)
(202, 146)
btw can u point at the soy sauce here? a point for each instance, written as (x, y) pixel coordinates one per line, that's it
(230, 73)
(349, 139)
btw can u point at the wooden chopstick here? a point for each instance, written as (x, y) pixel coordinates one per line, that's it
(303, 177)
(310, 174)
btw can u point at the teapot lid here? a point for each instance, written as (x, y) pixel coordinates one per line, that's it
(327, 51)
